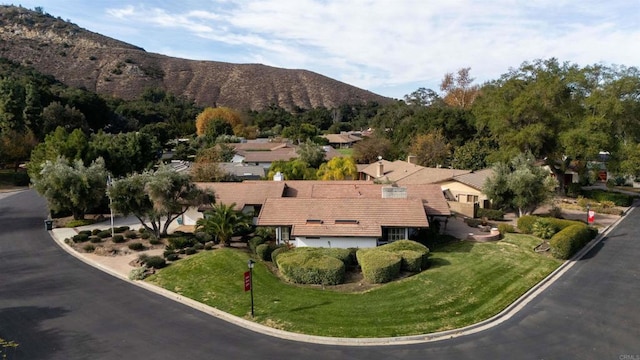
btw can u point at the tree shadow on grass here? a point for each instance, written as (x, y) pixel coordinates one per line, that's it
(436, 262)
(312, 306)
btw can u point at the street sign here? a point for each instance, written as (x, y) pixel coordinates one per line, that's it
(247, 281)
(591, 217)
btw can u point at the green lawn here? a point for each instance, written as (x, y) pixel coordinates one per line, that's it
(346, 151)
(467, 282)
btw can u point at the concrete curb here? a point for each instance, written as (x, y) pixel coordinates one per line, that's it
(495, 320)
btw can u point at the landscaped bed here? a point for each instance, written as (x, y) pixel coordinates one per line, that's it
(466, 283)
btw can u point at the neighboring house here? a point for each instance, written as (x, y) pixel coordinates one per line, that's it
(340, 213)
(243, 171)
(264, 153)
(343, 140)
(464, 191)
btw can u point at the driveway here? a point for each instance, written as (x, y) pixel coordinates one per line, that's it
(56, 307)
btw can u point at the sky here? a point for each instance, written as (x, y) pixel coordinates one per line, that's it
(390, 47)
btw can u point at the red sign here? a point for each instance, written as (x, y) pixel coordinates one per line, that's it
(591, 216)
(247, 281)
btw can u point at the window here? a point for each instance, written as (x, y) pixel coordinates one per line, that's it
(393, 234)
(286, 233)
(472, 199)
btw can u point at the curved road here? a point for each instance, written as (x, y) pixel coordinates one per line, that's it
(56, 307)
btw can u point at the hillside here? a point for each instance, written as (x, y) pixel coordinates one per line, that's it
(80, 58)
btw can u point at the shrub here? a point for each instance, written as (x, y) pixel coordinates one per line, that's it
(619, 199)
(277, 251)
(138, 273)
(145, 235)
(190, 251)
(412, 261)
(401, 246)
(136, 246)
(208, 246)
(543, 228)
(173, 257)
(506, 228)
(473, 222)
(264, 251)
(120, 229)
(80, 238)
(156, 262)
(95, 231)
(104, 234)
(95, 239)
(181, 242)
(573, 190)
(310, 267)
(154, 241)
(130, 234)
(118, 238)
(490, 214)
(254, 242)
(198, 246)
(379, 266)
(166, 253)
(203, 237)
(525, 223)
(89, 248)
(570, 240)
(88, 232)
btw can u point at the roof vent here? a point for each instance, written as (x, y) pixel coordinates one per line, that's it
(347, 221)
(314, 221)
(390, 192)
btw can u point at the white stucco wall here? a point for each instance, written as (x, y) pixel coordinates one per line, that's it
(335, 242)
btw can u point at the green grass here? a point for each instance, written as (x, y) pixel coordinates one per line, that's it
(346, 151)
(467, 282)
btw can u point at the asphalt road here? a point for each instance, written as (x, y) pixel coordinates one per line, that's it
(56, 307)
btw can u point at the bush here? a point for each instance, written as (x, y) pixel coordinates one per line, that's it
(525, 223)
(401, 246)
(155, 241)
(277, 251)
(166, 253)
(570, 240)
(264, 251)
(130, 234)
(203, 237)
(145, 235)
(136, 246)
(88, 232)
(412, 261)
(104, 234)
(138, 273)
(120, 229)
(208, 246)
(89, 248)
(156, 262)
(506, 228)
(574, 189)
(181, 242)
(173, 257)
(254, 242)
(379, 266)
(619, 199)
(544, 229)
(118, 238)
(310, 267)
(95, 231)
(190, 251)
(95, 239)
(473, 222)
(490, 214)
(80, 238)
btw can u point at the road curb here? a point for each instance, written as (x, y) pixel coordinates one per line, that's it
(493, 321)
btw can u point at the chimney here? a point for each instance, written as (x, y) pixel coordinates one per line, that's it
(412, 159)
(278, 176)
(380, 171)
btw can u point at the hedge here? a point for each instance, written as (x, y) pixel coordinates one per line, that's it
(490, 214)
(264, 251)
(525, 223)
(277, 251)
(254, 242)
(379, 266)
(570, 240)
(402, 247)
(412, 261)
(80, 238)
(181, 242)
(619, 199)
(310, 267)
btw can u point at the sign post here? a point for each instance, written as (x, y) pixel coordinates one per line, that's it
(248, 281)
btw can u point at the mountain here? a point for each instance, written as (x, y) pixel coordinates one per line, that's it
(81, 58)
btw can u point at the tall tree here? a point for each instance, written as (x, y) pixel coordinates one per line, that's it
(158, 197)
(338, 168)
(125, 153)
(521, 185)
(311, 153)
(458, 89)
(72, 186)
(431, 149)
(368, 149)
(71, 146)
(209, 115)
(294, 169)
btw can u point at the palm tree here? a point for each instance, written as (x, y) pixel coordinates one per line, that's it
(223, 221)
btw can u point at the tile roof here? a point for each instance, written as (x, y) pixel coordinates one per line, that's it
(475, 179)
(431, 175)
(342, 138)
(241, 194)
(360, 217)
(241, 170)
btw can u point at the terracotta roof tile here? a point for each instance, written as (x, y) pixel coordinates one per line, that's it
(241, 194)
(475, 179)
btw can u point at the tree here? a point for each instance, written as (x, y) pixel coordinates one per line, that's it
(431, 149)
(458, 89)
(520, 185)
(159, 196)
(125, 153)
(70, 118)
(294, 169)
(368, 149)
(422, 97)
(71, 146)
(338, 168)
(72, 187)
(223, 221)
(16, 147)
(472, 155)
(209, 115)
(311, 153)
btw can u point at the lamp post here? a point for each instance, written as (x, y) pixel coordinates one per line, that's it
(588, 208)
(250, 263)
(110, 206)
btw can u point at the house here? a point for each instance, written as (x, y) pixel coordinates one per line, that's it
(243, 171)
(464, 191)
(343, 140)
(263, 153)
(347, 213)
